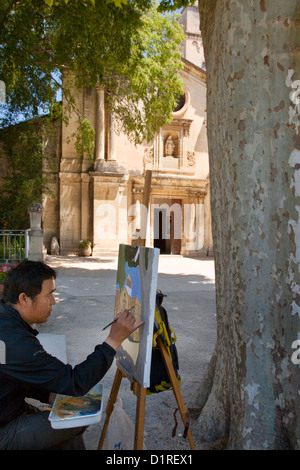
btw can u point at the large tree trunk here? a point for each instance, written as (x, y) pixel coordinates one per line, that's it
(250, 395)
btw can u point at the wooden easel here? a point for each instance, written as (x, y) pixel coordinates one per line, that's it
(137, 389)
(140, 392)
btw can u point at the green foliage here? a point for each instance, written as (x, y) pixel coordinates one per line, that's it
(84, 138)
(165, 5)
(144, 98)
(172, 5)
(84, 243)
(23, 148)
(55, 111)
(127, 46)
(118, 3)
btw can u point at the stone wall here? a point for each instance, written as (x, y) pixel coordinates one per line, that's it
(50, 220)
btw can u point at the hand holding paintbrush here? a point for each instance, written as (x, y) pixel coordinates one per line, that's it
(117, 318)
(121, 327)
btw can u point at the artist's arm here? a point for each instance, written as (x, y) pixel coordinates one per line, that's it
(39, 373)
(121, 329)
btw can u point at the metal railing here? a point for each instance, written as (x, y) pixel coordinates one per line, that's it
(13, 245)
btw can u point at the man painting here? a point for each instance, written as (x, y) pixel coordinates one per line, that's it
(29, 371)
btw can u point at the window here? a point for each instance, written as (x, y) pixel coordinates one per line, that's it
(180, 103)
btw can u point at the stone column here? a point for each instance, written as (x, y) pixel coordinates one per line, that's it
(36, 247)
(189, 224)
(122, 225)
(194, 222)
(200, 227)
(100, 128)
(135, 212)
(112, 154)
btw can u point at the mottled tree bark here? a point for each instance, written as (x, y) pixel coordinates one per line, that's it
(250, 394)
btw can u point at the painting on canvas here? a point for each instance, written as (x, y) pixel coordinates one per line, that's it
(136, 286)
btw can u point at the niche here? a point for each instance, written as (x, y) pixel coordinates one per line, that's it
(170, 142)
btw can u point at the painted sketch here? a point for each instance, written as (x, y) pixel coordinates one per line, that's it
(136, 287)
(67, 406)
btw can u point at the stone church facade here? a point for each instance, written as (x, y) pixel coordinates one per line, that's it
(103, 202)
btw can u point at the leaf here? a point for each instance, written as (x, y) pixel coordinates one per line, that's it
(49, 2)
(118, 3)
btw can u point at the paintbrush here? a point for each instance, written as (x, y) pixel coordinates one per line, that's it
(58, 410)
(114, 321)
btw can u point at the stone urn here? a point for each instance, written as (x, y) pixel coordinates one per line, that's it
(85, 248)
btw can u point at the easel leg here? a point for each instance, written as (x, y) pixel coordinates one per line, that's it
(175, 387)
(140, 418)
(110, 404)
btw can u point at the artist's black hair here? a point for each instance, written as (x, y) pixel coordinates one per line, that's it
(28, 277)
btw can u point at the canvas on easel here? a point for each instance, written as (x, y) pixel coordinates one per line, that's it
(136, 287)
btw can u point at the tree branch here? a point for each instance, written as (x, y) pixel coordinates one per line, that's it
(12, 7)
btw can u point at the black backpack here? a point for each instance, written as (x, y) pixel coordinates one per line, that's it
(159, 379)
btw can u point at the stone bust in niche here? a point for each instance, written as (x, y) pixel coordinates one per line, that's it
(169, 147)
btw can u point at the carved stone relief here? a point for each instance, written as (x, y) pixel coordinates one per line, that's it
(148, 155)
(191, 158)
